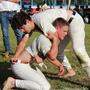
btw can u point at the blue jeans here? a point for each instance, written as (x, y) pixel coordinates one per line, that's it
(5, 17)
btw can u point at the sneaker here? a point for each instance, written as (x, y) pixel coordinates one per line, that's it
(11, 53)
(9, 84)
(6, 56)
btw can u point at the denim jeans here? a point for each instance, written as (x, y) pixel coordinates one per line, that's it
(5, 17)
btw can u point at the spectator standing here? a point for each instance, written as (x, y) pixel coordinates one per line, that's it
(7, 9)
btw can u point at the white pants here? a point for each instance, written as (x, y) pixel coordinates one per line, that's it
(77, 25)
(31, 79)
(77, 35)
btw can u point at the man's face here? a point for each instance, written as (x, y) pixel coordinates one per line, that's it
(28, 27)
(63, 32)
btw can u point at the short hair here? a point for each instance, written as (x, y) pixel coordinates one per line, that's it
(19, 19)
(60, 22)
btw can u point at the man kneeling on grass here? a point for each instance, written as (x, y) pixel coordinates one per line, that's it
(27, 24)
(32, 79)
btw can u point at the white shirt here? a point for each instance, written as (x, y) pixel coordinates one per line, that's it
(44, 19)
(9, 6)
(40, 44)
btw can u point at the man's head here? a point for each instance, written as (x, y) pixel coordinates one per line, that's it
(62, 27)
(22, 21)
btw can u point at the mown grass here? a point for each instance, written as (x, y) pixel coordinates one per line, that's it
(56, 83)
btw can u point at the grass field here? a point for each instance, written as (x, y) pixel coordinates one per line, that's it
(56, 83)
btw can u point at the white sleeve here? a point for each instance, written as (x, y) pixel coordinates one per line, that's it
(44, 44)
(43, 23)
(47, 25)
(32, 49)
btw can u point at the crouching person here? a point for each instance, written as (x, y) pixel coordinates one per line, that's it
(30, 78)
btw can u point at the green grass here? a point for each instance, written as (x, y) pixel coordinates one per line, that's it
(56, 83)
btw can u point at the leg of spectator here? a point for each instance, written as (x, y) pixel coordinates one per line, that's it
(5, 31)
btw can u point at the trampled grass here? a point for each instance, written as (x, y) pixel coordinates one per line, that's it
(56, 83)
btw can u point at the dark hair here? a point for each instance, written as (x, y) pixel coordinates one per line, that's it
(19, 19)
(60, 22)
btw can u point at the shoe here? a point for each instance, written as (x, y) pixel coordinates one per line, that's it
(6, 56)
(8, 84)
(11, 53)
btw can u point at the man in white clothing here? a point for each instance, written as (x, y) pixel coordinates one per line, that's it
(22, 58)
(40, 46)
(25, 24)
(31, 79)
(44, 21)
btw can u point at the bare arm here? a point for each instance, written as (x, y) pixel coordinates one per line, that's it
(20, 47)
(54, 48)
(57, 64)
(52, 54)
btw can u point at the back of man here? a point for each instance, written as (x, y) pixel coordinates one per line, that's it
(45, 19)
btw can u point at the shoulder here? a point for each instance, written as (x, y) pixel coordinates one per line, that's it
(42, 39)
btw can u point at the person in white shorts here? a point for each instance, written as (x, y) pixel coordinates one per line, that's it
(44, 21)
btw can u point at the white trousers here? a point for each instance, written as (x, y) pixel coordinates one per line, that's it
(30, 79)
(77, 25)
(77, 35)
(78, 38)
